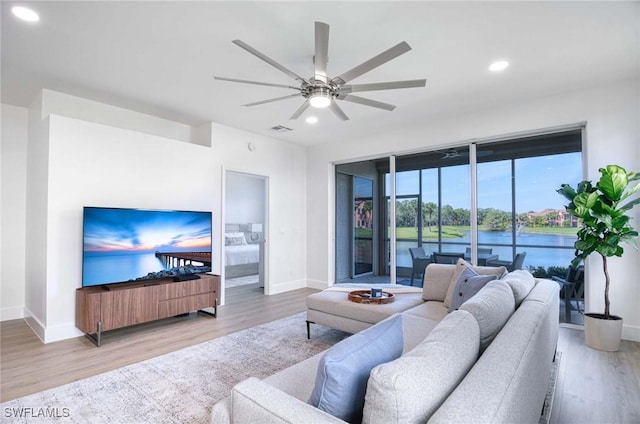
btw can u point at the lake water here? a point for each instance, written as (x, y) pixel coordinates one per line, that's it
(559, 253)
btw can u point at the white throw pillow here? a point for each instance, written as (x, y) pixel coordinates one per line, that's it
(234, 239)
(521, 283)
(411, 388)
(491, 307)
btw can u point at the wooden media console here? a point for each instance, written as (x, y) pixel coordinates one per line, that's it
(104, 308)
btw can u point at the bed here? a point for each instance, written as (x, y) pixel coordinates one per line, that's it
(241, 253)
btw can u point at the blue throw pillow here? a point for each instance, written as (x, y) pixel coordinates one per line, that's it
(344, 369)
(468, 285)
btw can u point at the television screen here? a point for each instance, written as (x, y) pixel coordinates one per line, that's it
(121, 245)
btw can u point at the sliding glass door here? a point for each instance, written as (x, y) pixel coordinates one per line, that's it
(514, 203)
(362, 226)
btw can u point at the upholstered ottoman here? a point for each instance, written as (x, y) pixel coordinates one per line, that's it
(332, 307)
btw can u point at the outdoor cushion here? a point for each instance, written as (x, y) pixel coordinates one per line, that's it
(469, 283)
(343, 371)
(411, 388)
(491, 307)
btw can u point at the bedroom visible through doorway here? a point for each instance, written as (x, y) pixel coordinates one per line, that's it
(244, 230)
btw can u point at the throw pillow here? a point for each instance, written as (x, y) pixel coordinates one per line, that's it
(461, 265)
(469, 283)
(234, 239)
(521, 283)
(411, 388)
(481, 270)
(341, 381)
(491, 307)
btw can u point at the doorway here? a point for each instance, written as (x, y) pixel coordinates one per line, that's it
(244, 241)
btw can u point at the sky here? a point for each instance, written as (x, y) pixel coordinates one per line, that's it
(537, 179)
(137, 230)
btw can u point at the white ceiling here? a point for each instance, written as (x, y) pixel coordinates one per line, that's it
(160, 57)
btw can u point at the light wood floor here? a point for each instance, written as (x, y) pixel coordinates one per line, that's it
(593, 386)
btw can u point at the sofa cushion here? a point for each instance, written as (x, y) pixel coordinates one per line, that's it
(480, 270)
(469, 283)
(344, 369)
(521, 283)
(491, 307)
(411, 388)
(436, 281)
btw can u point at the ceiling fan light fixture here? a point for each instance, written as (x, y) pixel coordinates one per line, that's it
(499, 66)
(25, 14)
(320, 100)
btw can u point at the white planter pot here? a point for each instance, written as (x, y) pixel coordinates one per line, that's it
(603, 334)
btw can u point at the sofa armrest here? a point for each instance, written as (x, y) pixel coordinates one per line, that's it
(254, 401)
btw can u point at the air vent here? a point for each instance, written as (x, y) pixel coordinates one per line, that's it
(281, 129)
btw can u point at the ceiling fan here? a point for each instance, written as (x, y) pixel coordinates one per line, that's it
(320, 91)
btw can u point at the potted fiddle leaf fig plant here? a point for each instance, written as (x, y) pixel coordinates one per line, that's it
(602, 212)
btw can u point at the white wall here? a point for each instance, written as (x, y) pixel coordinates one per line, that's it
(285, 167)
(71, 163)
(611, 114)
(244, 198)
(13, 191)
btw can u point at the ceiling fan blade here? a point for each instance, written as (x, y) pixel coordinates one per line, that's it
(322, 51)
(373, 63)
(267, 59)
(392, 85)
(337, 111)
(268, 84)
(273, 100)
(367, 102)
(300, 110)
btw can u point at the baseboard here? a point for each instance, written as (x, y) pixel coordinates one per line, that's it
(34, 323)
(286, 286)
(631, 332)
(51, 334)
(7, 314)
(61, 332)
(317, 284)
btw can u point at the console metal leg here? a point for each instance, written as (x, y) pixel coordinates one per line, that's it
(97, 337)
(211, 314)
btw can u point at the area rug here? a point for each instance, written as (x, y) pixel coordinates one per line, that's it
(179, 387)
(551, 390)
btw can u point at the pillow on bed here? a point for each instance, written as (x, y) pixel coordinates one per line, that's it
(234, 239)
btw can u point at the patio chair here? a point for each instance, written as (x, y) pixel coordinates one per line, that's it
(420, 261)
(571, 288)
(446, 257)
(517, 262)
(485, 250)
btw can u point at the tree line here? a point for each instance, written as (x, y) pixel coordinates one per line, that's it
(492, 219)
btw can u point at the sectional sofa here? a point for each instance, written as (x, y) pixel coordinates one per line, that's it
(488, 361)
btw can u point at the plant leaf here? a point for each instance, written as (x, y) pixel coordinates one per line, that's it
(613, 182)
(631, 204)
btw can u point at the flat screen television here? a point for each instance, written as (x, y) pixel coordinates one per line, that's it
(122, 245)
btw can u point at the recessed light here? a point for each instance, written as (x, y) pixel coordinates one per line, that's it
(498, 66)
(25, 14)
(311, 120)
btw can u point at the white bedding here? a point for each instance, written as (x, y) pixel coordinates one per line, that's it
(242, 254)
